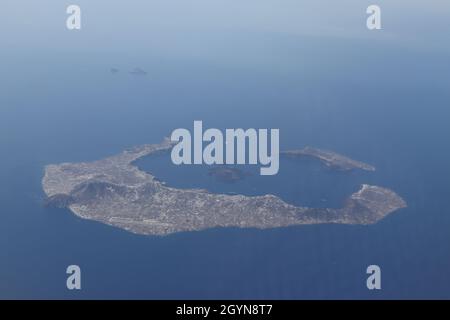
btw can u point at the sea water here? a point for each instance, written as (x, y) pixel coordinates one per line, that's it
(69, 108)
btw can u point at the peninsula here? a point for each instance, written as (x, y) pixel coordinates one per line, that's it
(329, 158)
(115, 192)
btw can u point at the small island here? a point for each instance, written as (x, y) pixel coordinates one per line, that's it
(115, 192)
(227, 174)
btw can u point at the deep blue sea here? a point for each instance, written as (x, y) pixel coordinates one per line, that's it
(387, 106)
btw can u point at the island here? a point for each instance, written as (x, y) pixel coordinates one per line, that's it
(138, 72)
(227, 175)
(115, 192)
(329, 158)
